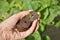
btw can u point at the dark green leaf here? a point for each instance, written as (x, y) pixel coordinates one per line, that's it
(35, 36)
(42, 28)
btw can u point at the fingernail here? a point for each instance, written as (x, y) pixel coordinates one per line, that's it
(38, 13)
(35, 26)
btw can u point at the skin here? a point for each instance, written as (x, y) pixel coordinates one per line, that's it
(6, 32)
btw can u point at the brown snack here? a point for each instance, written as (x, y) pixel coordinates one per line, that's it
(25, 23)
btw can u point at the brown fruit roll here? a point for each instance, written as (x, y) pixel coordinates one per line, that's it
(26, 22)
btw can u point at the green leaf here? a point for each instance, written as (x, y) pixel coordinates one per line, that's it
(46, 13)
(35, 5)
(14, 11)
(35, 36)
(58, 12)
(44, 4)
(53, 13)
(50, 18)
(4, 7)
(20, 5)
(16, 3)
(54, 2)
(42, 28)
(1, 20)
(11, 4)
(47, 3)
(48, 38)
(27, 5)
(57, 24)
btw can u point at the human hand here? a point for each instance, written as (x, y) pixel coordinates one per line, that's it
(6, 27)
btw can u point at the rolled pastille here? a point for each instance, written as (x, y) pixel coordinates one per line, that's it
(26, 22)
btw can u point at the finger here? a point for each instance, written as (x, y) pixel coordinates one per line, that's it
(37, 27)
(24, 13)
(37, 24)
(11, 22)
(28, 32)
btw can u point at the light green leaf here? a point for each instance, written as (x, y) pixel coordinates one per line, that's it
(4, 16)
(4, 7)
(16, 3)
(11, 4)
(48, 38)
(20, 5)
(14, 11)
(54, 2)
(57, 24)
(46, 13)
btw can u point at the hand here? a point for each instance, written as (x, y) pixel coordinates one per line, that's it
(6, 32)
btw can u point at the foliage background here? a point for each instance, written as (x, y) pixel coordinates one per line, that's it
(49, 13)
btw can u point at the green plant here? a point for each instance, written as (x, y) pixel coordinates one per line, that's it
(49, 10)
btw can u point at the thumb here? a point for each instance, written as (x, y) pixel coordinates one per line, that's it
(10, 22)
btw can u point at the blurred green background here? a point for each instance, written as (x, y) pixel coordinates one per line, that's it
(49, 13)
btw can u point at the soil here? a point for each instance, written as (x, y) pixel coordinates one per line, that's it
(53, 32)
(26, 22)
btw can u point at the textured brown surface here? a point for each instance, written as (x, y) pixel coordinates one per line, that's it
(53, 32)
(26, 21)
